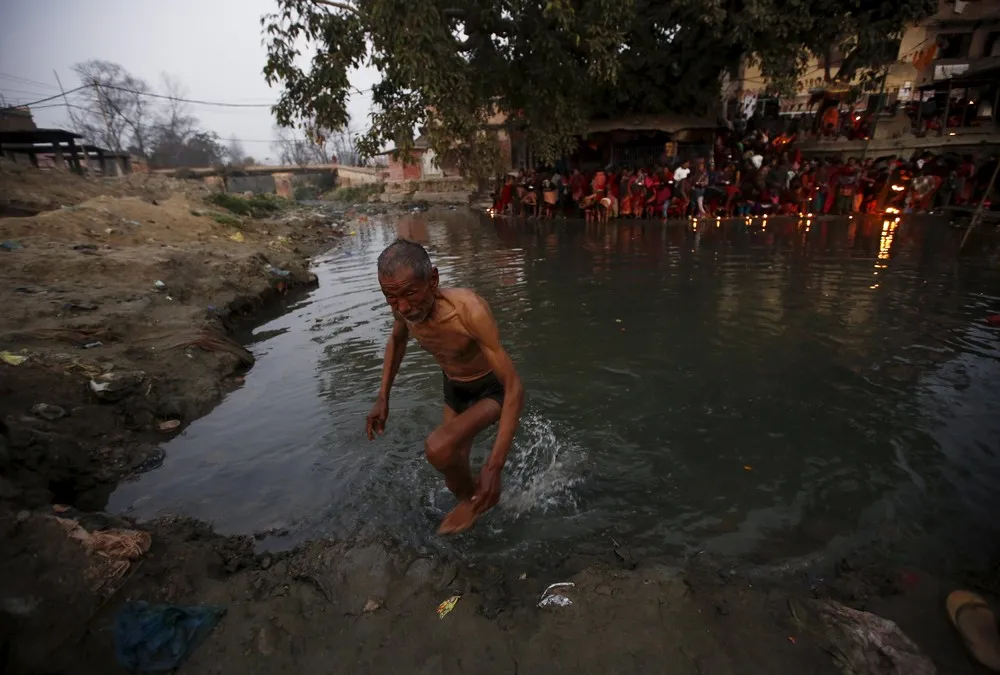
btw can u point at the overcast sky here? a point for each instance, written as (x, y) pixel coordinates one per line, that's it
(212, 46)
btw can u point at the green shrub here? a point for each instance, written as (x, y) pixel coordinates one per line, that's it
(225, 219)
(306, 192)
(356, 193)
(257, 206)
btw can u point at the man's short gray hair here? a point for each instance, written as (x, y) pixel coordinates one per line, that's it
(405, 254)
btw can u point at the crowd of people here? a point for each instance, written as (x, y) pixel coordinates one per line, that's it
(752, 174)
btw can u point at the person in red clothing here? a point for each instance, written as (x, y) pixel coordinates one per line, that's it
(505, 197)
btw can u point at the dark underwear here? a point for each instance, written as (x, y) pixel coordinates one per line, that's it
(459, 396)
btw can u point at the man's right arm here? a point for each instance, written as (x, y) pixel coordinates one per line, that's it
(394, 352)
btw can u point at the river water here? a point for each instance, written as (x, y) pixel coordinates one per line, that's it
(764, 391)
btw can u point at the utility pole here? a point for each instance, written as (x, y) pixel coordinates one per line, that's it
(878, 111)
(107, 126)
(982, 202)
(63, 92)
(84, 166)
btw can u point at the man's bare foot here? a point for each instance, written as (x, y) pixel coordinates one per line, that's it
(459, 519)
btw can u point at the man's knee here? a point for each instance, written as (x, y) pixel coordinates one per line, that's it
(440, 449)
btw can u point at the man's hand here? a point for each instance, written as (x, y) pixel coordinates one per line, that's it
(377, 417)
(488, 491)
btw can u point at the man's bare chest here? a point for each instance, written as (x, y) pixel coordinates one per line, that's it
(446, 345)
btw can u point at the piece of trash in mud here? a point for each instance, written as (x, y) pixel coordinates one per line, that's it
(112, 387)
(553, 595)
(993, 320)
(863, 642)
(109, 230)
(85, 247)
(159, 285)
(169, 298)
(447, 606)
(93, 345)
(169, 425)
(238, 237)
(131, 222)
(48, 412)
(353, 233)
(618, 320)
(791, 639)
(524, 575)
(10, 245)
(158, 639)
(277, 271)
(747, 467)
(555, 601)
(373, 605)
(99, 387)
(12, 359)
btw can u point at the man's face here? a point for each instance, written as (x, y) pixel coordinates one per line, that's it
(410, 298)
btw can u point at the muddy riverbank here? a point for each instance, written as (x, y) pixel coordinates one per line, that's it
(102, 364)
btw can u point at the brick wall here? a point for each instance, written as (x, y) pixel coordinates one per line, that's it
(398, 171)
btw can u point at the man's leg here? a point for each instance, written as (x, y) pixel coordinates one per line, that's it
(448, 447)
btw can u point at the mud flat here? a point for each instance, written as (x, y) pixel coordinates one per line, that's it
(119, 298)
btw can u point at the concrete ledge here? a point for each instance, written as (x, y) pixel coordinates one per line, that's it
(905, 145)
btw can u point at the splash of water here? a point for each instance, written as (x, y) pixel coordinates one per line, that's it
(541, 470)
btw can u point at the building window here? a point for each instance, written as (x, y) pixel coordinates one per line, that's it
(954, 45)
(993, 44)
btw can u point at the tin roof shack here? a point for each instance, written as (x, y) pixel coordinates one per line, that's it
(646, 140)
(58, 149)
(52, 144)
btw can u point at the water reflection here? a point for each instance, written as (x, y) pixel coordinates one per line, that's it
(758, 388)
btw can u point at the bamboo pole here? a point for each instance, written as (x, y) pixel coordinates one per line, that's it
(979, 209)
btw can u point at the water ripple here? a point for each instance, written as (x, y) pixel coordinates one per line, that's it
(753, 391)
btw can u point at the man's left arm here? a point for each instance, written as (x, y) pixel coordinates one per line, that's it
(482, 326)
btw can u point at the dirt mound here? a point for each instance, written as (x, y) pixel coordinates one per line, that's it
(27, 191)
(115, 318)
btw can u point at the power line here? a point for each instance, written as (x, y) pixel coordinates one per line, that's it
(187, 100)
(43, 100)
(150, 94)
(25, 80)
(270, 141)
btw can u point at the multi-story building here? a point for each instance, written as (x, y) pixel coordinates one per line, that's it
(962, 37)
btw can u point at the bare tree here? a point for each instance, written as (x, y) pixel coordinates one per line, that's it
(114, 110)
(294, 151)
(234, 151)
(320, 146)
(174, 127)
(344, 148)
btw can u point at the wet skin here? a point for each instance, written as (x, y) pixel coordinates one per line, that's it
(457, 328)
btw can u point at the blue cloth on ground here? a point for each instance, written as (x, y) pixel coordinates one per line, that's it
(154, 639)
